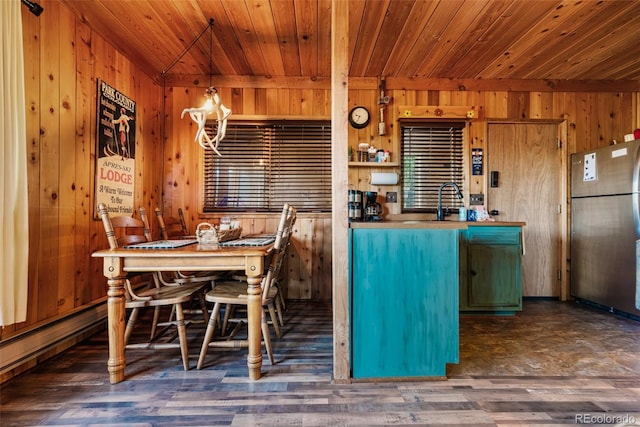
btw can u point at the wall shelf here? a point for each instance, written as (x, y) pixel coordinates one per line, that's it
(374, 164)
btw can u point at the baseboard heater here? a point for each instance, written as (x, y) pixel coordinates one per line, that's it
(25, 347)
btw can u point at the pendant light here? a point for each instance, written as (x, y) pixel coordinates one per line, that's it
(213, 103)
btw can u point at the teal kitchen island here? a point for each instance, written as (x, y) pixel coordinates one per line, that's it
(405, 296)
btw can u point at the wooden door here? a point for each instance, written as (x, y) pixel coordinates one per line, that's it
(528, 161)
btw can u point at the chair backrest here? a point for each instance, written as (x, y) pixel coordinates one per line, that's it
(285, 228)
(183, 223)
(171, 227)
(124, 230)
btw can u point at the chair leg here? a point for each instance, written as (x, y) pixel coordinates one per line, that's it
(225, 321)
(279, 310)
(274, 319)
(235, 331)
(267, 338)
(129, 329)
(208, 334)
(171, 313)
(182, 334)
(281, 299)
(203, 307)
(154, 323)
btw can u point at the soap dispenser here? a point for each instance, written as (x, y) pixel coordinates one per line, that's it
(462, 213)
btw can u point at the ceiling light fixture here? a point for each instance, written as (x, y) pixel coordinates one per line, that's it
(213, 103)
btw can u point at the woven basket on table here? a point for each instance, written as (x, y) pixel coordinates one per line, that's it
(230, 234)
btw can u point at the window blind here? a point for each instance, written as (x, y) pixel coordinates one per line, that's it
(432, 154)
(264, 165)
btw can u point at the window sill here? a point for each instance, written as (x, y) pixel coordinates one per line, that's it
(374, 164)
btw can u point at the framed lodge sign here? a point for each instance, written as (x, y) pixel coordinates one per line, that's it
(115, 151)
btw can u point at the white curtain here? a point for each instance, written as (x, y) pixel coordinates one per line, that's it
(14, 209)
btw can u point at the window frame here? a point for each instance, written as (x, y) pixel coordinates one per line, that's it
(274, 144)
(460, 177)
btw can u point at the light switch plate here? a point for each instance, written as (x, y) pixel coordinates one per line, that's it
(392, 197)
(476, 199)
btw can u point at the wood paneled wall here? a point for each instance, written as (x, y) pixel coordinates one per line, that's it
(63, 59)
(592, 120)
(309, 263)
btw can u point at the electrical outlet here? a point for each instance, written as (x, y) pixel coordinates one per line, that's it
(392, 197)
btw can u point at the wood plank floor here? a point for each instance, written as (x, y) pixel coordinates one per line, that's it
(554, 363)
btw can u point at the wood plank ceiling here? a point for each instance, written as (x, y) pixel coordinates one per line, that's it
(439, 39)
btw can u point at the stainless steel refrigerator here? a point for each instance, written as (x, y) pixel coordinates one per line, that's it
(605, 224)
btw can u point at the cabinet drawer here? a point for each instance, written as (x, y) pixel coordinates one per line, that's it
(493, 235)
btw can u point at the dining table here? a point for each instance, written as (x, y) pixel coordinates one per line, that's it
(119, 262)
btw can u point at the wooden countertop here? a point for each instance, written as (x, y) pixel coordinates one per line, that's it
(498, 223)
(447, 224)
(441, 225)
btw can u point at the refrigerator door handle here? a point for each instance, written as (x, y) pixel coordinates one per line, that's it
(635, 189)
(636, 213)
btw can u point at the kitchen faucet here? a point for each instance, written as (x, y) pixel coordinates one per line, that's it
(439, 212)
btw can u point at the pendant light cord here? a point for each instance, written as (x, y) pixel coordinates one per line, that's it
(210, 52)
(164, 83)
(188, 48)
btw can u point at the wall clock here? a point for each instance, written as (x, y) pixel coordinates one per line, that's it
(359, 117)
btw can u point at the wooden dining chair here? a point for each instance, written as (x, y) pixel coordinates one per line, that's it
(278, 301)
(124, 230)
(234, 293)
(171, 227)
(175, 228)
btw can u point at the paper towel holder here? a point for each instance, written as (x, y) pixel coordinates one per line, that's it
(383, 178)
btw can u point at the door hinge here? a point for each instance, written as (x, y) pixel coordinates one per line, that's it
(559, 275)
(559, 209)
(559, 144)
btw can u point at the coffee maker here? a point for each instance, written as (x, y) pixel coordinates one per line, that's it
(372, 209)
(355, 205)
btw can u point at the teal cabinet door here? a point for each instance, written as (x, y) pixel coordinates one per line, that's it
(493, 277)
(404, 302)
(492, 280)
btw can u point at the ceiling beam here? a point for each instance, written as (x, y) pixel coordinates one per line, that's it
(394, 83)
